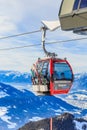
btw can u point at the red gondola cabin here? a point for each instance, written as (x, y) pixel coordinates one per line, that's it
(53, 76)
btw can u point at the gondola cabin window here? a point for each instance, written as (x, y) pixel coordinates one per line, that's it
(80, 4)
(76, 4)
(83, 4)
(62, 71)
(45, 68)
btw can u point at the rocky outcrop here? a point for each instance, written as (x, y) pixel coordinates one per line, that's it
(65, 121)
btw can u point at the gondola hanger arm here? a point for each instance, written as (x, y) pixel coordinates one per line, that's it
(48, 25)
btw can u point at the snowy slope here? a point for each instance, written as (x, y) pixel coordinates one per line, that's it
(18, 104)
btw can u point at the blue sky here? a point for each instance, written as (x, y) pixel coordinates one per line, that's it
(18, 16)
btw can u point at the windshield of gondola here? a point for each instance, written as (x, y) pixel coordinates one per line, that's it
(62, 71)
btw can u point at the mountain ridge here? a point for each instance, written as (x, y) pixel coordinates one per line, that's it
(15, 76)
(19, 104)
(65, 121)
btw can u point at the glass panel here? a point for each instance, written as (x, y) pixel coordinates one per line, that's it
(45, 68)
(62, 71)
(83, 4)
(45, 74)
(39, 66)
(76, 4)
(45, 65)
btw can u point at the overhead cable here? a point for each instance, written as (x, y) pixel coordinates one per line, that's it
(68, 40)
(27, 46)
(18, 47)
(17, 35)
(54, 42)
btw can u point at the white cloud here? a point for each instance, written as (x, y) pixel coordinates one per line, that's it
(6, 25)
(21, 16)
(19, 9)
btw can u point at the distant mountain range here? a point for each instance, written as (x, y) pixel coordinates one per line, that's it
(80, 79)
(19, 105)
(14, 76)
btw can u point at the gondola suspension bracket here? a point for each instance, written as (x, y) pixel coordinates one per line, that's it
(48, 25)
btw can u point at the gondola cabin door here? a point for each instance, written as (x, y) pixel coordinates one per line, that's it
(61, 76)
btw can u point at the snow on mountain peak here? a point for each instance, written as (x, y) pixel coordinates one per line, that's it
(18, 107)
(14, 76)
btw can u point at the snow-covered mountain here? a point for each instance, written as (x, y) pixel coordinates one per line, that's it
(19, 105)
(15, 77)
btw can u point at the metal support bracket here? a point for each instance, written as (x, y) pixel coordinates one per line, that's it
(48, 54)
